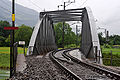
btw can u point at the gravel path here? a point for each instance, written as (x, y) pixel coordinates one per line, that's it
(40, 69)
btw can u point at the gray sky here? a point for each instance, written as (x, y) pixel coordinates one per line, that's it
(107, 12)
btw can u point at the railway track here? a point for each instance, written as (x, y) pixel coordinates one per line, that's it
(60, 65)
(73, 70)
(78, 70)
(96, 68)
(69, 74)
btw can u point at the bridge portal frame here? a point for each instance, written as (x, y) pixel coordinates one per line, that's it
(43, 37)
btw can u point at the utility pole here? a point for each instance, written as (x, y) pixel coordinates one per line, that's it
(64, 21)
(12, 40)
(106, 33)
(107, 37)
(63, 28)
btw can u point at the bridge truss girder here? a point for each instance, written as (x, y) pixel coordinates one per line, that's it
(43, 37)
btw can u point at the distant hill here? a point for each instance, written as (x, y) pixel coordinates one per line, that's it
(24, 15)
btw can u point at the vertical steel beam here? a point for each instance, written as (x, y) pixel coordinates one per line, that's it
(76, 36)
(63, 28)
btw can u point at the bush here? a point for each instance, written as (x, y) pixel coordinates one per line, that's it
(71, 46)
(107, 46)
(115, 61)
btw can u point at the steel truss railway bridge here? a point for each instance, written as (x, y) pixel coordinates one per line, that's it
(43, 37)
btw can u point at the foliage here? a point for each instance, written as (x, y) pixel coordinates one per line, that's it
(7, 41)
(106, 46)
(2, 39)
(4, 33)
(23, 34)
(113, 39)
(69, 35)
(71, 46)
(102, 40)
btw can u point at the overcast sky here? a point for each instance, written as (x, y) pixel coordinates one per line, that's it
(107, 12)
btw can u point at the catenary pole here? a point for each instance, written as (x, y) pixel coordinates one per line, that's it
(12, 40)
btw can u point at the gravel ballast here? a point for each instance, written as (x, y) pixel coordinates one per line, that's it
(40, 69)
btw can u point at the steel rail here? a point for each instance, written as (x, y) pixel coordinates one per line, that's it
(97, 69)
(69, 73)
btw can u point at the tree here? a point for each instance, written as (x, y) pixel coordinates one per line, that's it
(69, 35)
(116, 39)
(101, 38)
(4, 33)
(7, 41)
(23, 34)
(2, 40)
(113, 39)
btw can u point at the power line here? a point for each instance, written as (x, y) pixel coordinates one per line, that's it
(5, 18)
(17, 9)
(5, 3)
(83, 3)
(5, 9)
(34, 4)
(2, 17)
(9, 11)
(24, 12)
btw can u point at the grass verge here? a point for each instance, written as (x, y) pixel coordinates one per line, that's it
(115, 56)
(6, 50)
(4, 61)
(5, 56)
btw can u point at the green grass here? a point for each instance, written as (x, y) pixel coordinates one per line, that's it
(5, 56)
(4, 60)
(6, 50)
(115, 55)
(108, 50)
